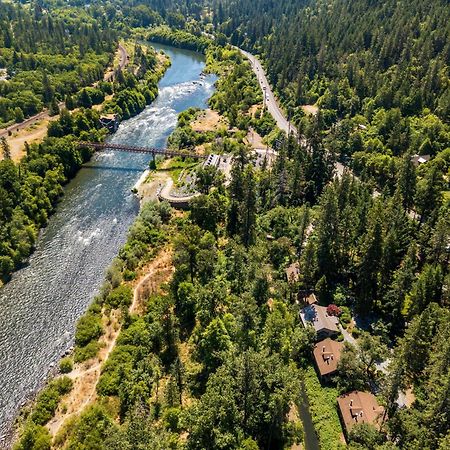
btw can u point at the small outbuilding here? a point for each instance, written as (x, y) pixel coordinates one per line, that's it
(306, 298)
(110, 121)
(417, 160)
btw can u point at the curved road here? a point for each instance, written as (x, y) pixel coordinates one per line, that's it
(273, 106)
(166, 195)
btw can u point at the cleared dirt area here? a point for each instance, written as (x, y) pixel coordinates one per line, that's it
(34, 129)
(34, 133)
(310, 109)
(85, 376)
(254, 139)
(209, 120)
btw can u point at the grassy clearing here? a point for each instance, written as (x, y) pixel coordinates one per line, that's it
(175, 166)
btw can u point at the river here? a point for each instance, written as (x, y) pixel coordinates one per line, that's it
(40, 306)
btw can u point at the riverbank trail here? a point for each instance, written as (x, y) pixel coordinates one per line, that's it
(85, 376)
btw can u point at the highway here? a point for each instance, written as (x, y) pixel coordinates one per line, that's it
(271, 101)
(274, 108)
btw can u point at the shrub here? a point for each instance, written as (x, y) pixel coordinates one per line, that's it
(345, 317)
(35, 437)
(333, 310)
(84, 353)
(171, 419)
(89, 328)
(356, 332)
(120, 297)
(129, 275)
(66, 365)
(48, 400)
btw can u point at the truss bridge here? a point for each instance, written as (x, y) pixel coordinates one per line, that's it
(99, 146)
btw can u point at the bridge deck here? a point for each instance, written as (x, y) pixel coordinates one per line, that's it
(135, 149)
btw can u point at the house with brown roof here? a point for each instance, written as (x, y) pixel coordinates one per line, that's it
(359, 407)
(316, 316)
(326, 356)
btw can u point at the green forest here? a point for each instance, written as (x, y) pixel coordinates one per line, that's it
(48, 58)
(218, 357)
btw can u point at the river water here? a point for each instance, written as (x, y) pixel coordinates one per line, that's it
(40, 306)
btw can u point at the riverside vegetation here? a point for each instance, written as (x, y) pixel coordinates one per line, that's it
(215, 359)
(30, 189)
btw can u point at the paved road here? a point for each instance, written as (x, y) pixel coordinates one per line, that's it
(273, 106)
(271, 101)
(123, 61)
(166, 195)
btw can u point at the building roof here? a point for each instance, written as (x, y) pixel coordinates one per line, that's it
(420, 159)
(317, 316)
(359, 407)
(327, 354)
(110, 116)
(307, 297)
(292, 272)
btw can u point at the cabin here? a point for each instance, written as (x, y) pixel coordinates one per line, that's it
(306, 298)
(417, 160)
(110, 121)
(359, 407)
(326, 357)
(316, 316)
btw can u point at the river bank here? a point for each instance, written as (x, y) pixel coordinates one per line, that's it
(43, 301)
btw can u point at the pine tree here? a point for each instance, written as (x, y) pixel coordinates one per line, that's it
(370, 262)
(6, 150)
(406, 183)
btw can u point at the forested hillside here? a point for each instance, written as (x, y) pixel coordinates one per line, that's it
(48, 56)
(215, 355)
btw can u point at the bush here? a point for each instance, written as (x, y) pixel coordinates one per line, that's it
(346, 317)
(171, 419)
(87, 352)
(333, 310)
(129, 275)
(66, 365)
(48, 400)
(356, 332)
(34, 437)
(120, 297)
(89, 328)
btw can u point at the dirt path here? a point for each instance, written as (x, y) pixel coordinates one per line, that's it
(34, 133)
(85, 376)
